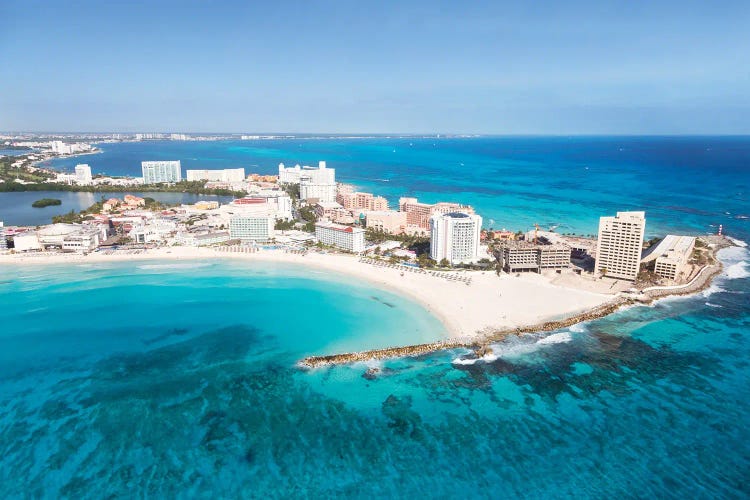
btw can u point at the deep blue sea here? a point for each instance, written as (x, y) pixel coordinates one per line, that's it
(159, 380)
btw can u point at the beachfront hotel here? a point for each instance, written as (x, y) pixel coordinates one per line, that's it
(671, 256)
(619, 245)
(418, 214)
(83, 174)
(361, 201)
(314, 183)
(251, 227)
(155, 172)
(517, 256)
(223, 175)
(347, 238)
(455, 236)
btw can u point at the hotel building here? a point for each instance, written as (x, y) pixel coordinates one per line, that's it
(225, 175)
(252, 227)
(388, 221)
(419, 214)
(619, 245)
(3, 242)
(455, 236)
(155, 172)
(362, 201)
(671, 256)
(347, 238)
(83, 174)
(526, 256)
(318, 183)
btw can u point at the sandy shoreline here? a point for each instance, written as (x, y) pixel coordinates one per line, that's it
(467, 311)
(487, 310)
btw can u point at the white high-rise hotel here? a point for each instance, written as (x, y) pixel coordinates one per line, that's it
(83, 174)
(619, 246)
(155, 172)
(455, 236)
(319, 183)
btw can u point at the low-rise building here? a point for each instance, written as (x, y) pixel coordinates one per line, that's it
(347, 238)
(203, 238)
(224, 175)
(387, 221)
(671, 256)
(526, 256)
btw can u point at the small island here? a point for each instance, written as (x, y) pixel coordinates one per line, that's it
(46, 202)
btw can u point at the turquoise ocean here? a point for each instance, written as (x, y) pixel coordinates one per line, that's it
(157, 379)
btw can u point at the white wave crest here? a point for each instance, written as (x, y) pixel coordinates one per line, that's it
(737, 271)
(174, 266)
(711, 290)
(713, 305)
(737, 242)
(556, 338)
(579, 328)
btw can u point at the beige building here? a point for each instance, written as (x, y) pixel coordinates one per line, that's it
(526, 256)
(388, 221)
(419, 214)
(671, 256)
(619, 245)
(361, 201)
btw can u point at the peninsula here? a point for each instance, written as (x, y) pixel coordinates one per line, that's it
(483, 284)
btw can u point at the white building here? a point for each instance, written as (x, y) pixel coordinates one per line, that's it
(29, 240)
(225, 175)
(152, 231)
(203, 239)
(347, 238)
(318, 183)
(619, 245)
(83, 174)
(672, 256)
(3, 242)
(277, 200)
(455, 236)
(252, 227)
(289, 175)
(155, 172)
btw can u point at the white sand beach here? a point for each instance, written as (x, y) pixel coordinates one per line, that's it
(489, 303)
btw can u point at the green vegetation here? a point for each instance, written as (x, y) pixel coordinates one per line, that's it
(308, 215)
(9, 174)
(46, 202)
(179, 187)
(292, 190)
(76, 218)
(284, 225)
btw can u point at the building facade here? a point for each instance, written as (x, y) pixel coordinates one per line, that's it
(225, 175)
(83, 174)
(455, 237)
(619, 245)
(252, 227)
(518, 256)
(155, 172)
(347, 238)
(387, 221)
(318, 183)
(673, 255)
(418, 214)
(361, 201)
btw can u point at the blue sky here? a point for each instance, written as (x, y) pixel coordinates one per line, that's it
(346, 66)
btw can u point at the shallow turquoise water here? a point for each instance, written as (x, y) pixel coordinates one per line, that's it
(172, 381)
